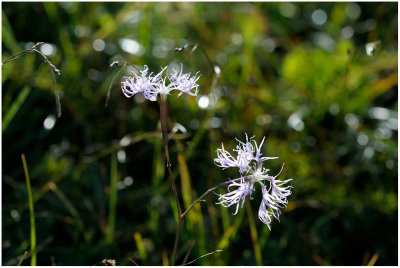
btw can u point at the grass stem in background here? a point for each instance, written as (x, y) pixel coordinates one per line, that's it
(68, 204)
(373, 259)
(15, 107)
(177, 235)
(254, 235)
(140, 246)
(205, 255)
(22, 258)
(112, 205)
(31, 212)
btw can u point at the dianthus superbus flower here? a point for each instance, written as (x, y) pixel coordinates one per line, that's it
(160, 84)
(249, 160)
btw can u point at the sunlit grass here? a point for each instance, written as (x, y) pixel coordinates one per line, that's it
(275, 79)
(31, 213)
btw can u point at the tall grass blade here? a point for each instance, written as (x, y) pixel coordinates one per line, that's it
(31, 212)
(254, 235)
(156, 180)
(194, 217)
(8, 117)
(165, 261)
(112, 205)
(140, 245)
(22, 258)
(7, 34)
(68, 204)
(373, 259)
(230, 231)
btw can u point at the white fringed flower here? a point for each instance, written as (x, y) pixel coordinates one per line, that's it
(249, 161)
(184, 82)
(151, 86)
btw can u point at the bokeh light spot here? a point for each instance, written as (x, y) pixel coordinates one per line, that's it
(319, 17)
(362, 139)
(99, 45)
(203, 102)
(49, 122)
(121, 155)
(47, 49)
(353, 11)
(295, 122)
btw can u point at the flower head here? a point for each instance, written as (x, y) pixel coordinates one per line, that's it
(152, 85)
(184, 82)
(249, 160)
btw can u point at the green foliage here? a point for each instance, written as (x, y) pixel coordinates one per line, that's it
(31, 215)
(325, 102)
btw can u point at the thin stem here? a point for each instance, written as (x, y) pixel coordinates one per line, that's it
(194, 47)
(221, 185)
(198, 200)
(22, 258)
(164, 131)
(53, 70)
(173, 186)
(164, 125)
(15, 56)
(177, 235)
(21, 53)
(188, 253)
(112, 66)
(31, 211)
(133, 261)
(205, 255)
(112, 203)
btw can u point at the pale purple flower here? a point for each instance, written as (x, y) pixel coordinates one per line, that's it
(184, 82)
(152, 86)
(146, 84)
(246, 153)
(249, 161)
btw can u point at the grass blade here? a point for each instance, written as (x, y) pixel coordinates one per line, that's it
(68, 204)
(112, 205)
(231, 230)
(140, 246)
(22, 258)
(254, 235)
(8, 36)
(31, 212)
(195, 221)
(373, 259)
(8, 117)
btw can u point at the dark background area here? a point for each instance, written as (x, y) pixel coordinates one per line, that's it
(318, 80)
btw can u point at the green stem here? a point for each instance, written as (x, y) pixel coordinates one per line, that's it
(112, 205)
(22, 258)
(31, 212)
(15, 107)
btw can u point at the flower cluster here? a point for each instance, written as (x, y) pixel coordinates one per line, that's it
(152, 85)
(249, 161)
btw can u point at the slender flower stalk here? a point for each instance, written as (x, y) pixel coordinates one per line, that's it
(151, 86)
(164, 125)
(249, 161)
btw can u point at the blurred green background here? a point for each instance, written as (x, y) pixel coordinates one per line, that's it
(319, 80)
